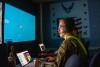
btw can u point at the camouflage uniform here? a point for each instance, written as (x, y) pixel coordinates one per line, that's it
(68, 47)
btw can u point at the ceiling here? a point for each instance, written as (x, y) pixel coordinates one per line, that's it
(42, 1)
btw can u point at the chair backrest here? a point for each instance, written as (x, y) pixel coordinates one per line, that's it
(95, 61)
(74, 61)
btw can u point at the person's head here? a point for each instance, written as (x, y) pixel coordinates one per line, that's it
(66, 25)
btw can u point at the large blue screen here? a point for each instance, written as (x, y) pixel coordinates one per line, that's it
(19, 25)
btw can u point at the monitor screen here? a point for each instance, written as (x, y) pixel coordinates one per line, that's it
(0, 23)
(19, 25)
(24, 57)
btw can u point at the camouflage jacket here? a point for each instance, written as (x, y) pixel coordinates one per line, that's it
(68, 48)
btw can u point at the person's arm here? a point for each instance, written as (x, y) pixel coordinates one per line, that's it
(37, 62)
(51, 59)
(63, 54)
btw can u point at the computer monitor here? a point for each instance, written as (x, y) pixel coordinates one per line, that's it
(19, 25)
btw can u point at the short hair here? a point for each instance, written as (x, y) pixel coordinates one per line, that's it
(70, 25)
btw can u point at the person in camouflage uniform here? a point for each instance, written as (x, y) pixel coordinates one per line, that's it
(69, 46)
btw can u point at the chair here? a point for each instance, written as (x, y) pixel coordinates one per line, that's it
(95, 61)
(74, 61)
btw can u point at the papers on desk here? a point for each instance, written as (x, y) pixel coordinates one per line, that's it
(48, 64)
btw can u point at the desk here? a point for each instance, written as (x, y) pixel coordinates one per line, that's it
(48, 64)
(46, 54)
(43, 64)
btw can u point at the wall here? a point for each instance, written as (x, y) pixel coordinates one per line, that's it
(48, 42)
(94, 9)
(94, 14)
